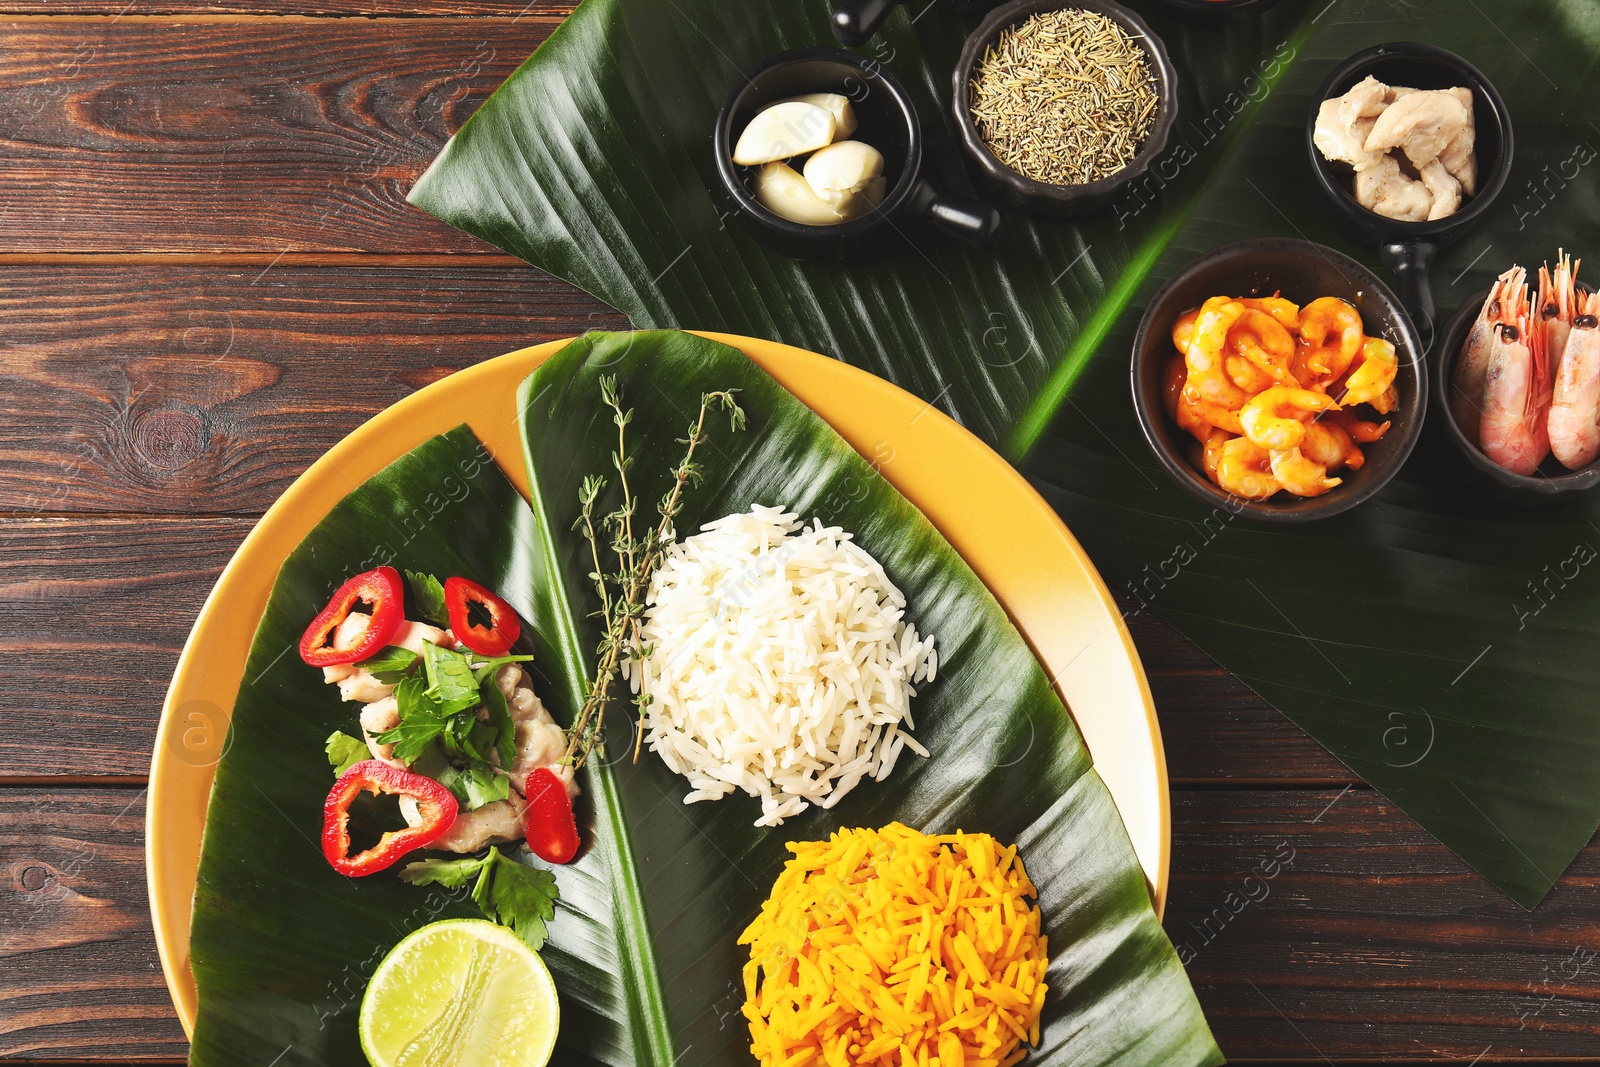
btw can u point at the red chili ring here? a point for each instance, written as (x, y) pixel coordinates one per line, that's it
(504, 629)
(379, 587)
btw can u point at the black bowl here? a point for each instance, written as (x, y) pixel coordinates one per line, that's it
(1408, 248)
(1551, 482)
(1301, 271)
(855, 21)
(1220, 7)
(887, 121)
(1061, 201)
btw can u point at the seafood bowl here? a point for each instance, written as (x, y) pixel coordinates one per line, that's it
(889, 122)
(1301, 271)
(1551, 482)
(1060, 201)
(1408, 248)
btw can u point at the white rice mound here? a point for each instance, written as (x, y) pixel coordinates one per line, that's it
(779, 662)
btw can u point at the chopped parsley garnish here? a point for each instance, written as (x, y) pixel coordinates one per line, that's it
(512, 894)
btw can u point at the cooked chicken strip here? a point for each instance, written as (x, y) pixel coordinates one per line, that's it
(1340, 140)
(1386, 190)
(1420, 124)
(498, 823)
(1445, 189)
(377, 717)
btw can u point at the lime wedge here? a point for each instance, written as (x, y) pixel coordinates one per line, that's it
(460, 993)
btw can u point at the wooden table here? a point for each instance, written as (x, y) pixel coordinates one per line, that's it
(209, 274)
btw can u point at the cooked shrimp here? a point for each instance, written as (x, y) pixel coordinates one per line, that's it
(1358, 429)
(1211, 455)
(1300, 475)
(1320, 356)
(1245, 470)
(1556, 307)
(1373, 377)
(1575, 413)
(1286, 312)
(1262, 339)
(1276, 418)
(1183, 330)
(1207, 374)
(1328, 444)
(1246, 375)
(1466, 384)
(1516, 391)
(1199, 416)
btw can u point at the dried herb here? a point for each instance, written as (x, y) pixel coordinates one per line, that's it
(1065, 97)
(622, 590)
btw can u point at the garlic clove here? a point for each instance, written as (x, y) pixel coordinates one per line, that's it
(784, 130)
(839, 173)
(844, 116)
(781, 190)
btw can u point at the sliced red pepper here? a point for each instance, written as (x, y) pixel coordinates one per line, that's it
(552, 829)
(382, 590)
(494, 640)
(436, 804)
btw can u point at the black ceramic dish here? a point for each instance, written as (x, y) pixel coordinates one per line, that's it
(888, 122)
(1061, 201)
(1220, 7)
(1551, 482)
(1302, 271)
(856, 21)
(1408, 248)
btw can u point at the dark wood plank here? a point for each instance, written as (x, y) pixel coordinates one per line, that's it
(264, 134)
(192, 390)
(1325, 927)
(80, 976)
(93, 614)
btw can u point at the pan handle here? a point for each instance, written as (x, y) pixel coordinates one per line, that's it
(970, 221)
(855, 21)
(1409, 261)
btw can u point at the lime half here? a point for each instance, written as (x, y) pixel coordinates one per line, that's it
(460, 993)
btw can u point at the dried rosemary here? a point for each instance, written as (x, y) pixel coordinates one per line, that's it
(622, 590)
(1065, 97)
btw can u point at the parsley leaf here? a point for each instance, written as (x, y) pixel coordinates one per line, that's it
(518, 896)
(500, 719)
(428, 595)
(512, 894)
(390, 664)
(421, 720)
(345, 752)
(450, 680)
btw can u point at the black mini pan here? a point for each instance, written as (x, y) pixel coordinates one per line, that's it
(1408, 248)
(888, 122)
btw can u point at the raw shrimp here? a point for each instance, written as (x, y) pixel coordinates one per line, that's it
(1516, 391)
(1373, 377)
(1321, 357)
(1466, 384)
(1556, 307)
(1328, 444)
(1300, 475)
(1245, 470)
(1261, 339)
(1276, 417)
(1207, 375)
(1575, 413)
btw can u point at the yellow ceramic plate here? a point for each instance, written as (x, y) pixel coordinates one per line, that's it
(1008, 535)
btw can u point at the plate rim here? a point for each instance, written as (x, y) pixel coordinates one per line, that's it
(171, 899)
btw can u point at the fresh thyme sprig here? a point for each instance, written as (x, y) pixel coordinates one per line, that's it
(622, 591)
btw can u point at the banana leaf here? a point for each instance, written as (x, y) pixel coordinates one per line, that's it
(643, 946)
(593, 162)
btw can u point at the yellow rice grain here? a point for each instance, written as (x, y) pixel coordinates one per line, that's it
(896, 947)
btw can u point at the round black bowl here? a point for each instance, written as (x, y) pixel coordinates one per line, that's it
(1301, 271)
(856, 21)
(1550, 482)
(887, 121)
(1408, 248)
(1061, 201)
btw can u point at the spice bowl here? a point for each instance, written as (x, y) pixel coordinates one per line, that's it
(1408, 248)
(1301, 271)
(1550, 482)
(887, 120)
(1044, 198)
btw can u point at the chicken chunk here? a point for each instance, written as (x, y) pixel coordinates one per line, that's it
(1390, 192)
(1341, 139)
(1420, 124)
(497, 823)
(1446, 191)
(376, 717)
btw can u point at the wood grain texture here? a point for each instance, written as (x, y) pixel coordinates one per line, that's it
(191, 390)
(162, 134)
(1367, 941)
(79, 975)
(1326, 927)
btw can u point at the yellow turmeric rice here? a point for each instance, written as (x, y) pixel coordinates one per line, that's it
(896, 947)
